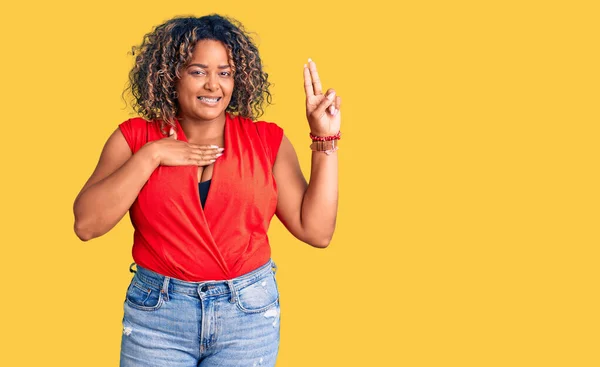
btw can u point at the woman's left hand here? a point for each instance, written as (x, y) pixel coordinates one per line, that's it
(322, 110)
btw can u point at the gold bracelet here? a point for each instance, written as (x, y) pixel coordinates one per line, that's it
(328, 147)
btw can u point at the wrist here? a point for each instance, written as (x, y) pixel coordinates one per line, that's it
(151, 152)
(326, 137)
(326, 146)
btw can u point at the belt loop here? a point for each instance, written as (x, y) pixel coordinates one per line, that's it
(273, 267)
(165, 288)
(233, 298)
(130, 268)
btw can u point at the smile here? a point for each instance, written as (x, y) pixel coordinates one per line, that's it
(209, 100)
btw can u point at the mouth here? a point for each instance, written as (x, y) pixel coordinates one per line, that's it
(209, 100)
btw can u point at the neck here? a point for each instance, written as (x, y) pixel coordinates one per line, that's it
(203, 129)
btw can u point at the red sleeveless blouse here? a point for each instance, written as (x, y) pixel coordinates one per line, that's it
(174, 236)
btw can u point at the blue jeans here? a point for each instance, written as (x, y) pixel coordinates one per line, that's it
(169, 322)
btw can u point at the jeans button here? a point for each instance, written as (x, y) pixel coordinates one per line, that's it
(204, 288)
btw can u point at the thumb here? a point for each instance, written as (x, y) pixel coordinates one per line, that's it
(326, 102)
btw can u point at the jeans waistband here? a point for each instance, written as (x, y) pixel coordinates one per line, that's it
(208, 288)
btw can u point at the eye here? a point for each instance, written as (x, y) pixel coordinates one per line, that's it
(197, 72)
(226, 73)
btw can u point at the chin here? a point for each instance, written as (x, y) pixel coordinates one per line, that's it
(210, 115)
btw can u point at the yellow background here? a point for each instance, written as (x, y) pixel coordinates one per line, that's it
(469, 208)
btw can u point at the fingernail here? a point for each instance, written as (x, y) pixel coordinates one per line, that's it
(331, 109)
(305, 66)
(221, 149)
(330, 97)
(335, 111)
(212, 160)
(309, 59)
(214, 146)
(218, 155)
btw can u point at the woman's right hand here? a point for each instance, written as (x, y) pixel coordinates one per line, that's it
(172, 152)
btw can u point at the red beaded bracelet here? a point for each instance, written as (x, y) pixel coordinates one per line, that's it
(337, 136)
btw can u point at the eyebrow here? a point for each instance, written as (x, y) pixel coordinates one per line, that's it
(206, 66)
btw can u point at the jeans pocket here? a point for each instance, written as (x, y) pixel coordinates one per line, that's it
(143, 296)
(258, 296)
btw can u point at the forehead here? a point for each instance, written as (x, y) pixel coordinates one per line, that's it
(210, 50)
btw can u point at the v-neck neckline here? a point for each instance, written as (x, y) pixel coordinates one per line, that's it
(214, 184)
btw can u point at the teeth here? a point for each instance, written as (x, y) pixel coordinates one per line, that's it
(210, 100)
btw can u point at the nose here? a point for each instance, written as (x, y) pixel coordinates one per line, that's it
(212, 83)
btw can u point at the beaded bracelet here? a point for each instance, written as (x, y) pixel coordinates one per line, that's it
(337, 136)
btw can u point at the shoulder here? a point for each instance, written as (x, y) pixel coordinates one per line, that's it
(258, 125)
(268, 126)
(269, 133)
(135, 131)
(269, 129)
(134, 123)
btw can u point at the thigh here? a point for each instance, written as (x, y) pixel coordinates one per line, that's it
(250, 328)
(158, 332)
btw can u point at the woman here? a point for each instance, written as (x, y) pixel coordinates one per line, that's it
(202, 181)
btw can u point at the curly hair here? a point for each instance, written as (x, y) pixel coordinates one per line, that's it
(168, 48)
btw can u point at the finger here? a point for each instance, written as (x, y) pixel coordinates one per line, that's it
(338, 102)
(308, 87)
(335, 106)
(203, 159)
(314, 75)
(202, 162)
(208, 153)
(205, 147)
(325, 103)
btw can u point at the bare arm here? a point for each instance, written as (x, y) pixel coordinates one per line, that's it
(112, 188)
(308, 211)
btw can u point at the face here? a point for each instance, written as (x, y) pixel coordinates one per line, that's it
(206, 83)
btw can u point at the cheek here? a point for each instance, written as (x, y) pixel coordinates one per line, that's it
(180, 90)
(229, 88)
(186, 87)
(229, 96)
(229, 84)
(187, 97)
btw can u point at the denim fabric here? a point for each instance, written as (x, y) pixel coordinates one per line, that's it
(169, 322)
